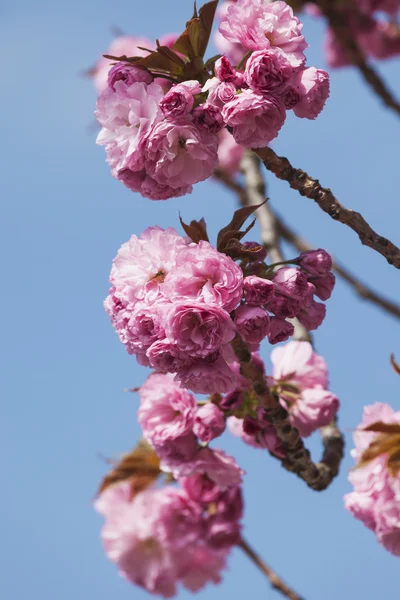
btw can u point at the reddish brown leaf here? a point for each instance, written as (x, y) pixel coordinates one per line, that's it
(140, 467)
(197, 230)
(232, 230)
(387, 442)
(381, 427)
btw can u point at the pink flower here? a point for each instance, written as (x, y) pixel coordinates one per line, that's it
(256, 24)
(375, 499)
(166, 411)
(224, 70)
(179, 154)
(316, 262)
(178, 101)
(204, 377)
(279, 330)
(129, 74)
(252, 323)
(232, 400)
(142, 264)
(229, 152)
(263, 436)
(219, 93)
(291, 282)
(297, 363)
(198, 329)
(200, 488)
(255, 120)
(312, 316)
(209, 422)
(165, 356)
(202, 564)
(204, 274)
(313, 85)
(216, 464)
(123, 45)
(257, 290)
(146, 537)
(268, 71)
(316, 408)
(324, 285)
(208, 117)
(284, 307)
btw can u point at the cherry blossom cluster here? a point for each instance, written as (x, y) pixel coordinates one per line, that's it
(300, 379)
(376, 497)
(177, 305)
(174, 534)
(162, 130)
(372, 23)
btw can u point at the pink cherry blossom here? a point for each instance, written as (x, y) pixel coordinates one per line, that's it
(208, 117)
(204, 274)
(129, 74)
(180, 154)
(255, 119)
(209, 422)
(316, 262)
(375, 499)
(229, 152)
(205, 377)
(297, 363)
(315, 409)
(166, 411)
(252, 323)
(257, 290)
(198, 329)
(179, 100)
(216, 464)
(268, 71)
(279, 330)
(257, 24)
(313, 85)
(291, 282)
(323, 285)
(263, 437)
(312, 316)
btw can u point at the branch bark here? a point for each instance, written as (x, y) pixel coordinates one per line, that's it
(311, 188)
(277, 583)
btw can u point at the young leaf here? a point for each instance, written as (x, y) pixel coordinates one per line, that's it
(386, 442)
(140, 467)
(197, 230)
(184, 46)
(206, 15)
(233, 228)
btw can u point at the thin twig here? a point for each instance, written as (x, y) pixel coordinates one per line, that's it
(274, 579)
(339, 25)
(311, 188)
(363, 290)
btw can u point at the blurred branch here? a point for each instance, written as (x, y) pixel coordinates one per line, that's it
(363, 290)
(274, 579)
(338, 23)
(311, 188)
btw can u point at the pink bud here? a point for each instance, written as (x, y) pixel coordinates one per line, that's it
(257, 290)
(279, 330)
(224, 70)
(324, 285)
(314, 88)
(316, 262)
(209, 422)
(312, 316)
(252, 323)
(291, 282)
(283, 307)
(232, 400)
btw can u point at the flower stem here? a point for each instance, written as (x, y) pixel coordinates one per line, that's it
(277, 583)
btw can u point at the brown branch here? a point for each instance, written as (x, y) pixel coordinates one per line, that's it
(274, 579)
(311, 188)
(365, 292)
(362, 289)
(338, 23)
(318, 476)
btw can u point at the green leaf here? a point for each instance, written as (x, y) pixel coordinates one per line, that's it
(197, 230)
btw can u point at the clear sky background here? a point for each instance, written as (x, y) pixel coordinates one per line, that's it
(64, 370)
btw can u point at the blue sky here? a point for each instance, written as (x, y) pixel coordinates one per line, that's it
(63, 219)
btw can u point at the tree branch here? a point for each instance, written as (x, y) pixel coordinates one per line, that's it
(338, 23)
(273, 577)
(362, 289)
(311, 188)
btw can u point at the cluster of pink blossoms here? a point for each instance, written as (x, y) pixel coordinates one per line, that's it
(372, 23)
(177, 305)
(376, 497)
(171, 535)
(162, 137)
(300, 378)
